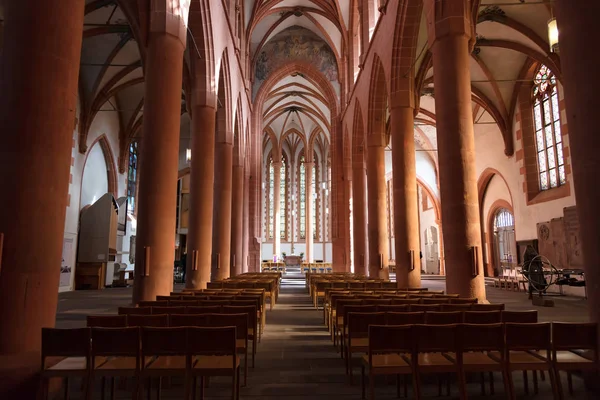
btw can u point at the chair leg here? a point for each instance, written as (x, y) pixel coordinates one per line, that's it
(246, 367)
(201, 388)
(416, 385)
(237, 388)
(535, 383)
(525, 382)
(362, 382)
(149, 388)
(553, 384)
(67, 388)
(371, 385)
(253, 350)
(398, 385)
(482, 376)
(102, 387)
(570, 382)
(405, 381)
(158, 388)
(492, 391)
(511, 385)
(559, 387)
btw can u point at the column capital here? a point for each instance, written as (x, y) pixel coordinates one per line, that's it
(169, 21)
(448, 18)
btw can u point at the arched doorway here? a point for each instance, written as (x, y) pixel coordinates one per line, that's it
(432, 251)
(505, 245)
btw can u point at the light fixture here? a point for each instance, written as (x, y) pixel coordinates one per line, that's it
(188, 155)
(324, 185)
(553, 35)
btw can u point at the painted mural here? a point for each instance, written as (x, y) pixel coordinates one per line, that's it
(291, 44)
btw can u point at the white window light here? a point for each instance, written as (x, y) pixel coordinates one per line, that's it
(553, 34)
(188, 155)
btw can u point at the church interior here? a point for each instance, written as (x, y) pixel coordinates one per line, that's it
(283, 199)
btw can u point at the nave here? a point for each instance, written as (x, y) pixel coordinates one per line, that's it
(296, 358)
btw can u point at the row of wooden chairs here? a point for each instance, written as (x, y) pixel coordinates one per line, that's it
(270, 287)
(383, 293)
(148, 352)
(465, 348)
(514, 283)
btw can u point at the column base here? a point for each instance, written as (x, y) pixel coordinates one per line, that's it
(20, 376)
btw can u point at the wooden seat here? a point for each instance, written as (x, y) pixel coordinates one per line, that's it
(72, 348)
(107, 321)
(528, 348)
(115, 353)
(443, 318)
(568, 340)
(389, 352)
(148, 320)
(482, 317)
(213, 351)
(358, 332)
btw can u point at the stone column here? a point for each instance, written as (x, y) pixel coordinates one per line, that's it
(38, 102)
(222, 206)
(359, 217)
(237, 220)
(276, 209)
(308, 168)
(406, 207)
(246, 224)
(578, 28)
(202, 180)
(155, 241)
(456, 149)
(377, 225)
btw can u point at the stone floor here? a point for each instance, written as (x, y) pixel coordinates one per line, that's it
(296, 359)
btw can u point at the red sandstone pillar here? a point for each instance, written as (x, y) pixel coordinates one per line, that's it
(38, 100)
(237, 220)
(456, 149)
(308, 168)
(202, 180)
(578, 28)
(377, 228)
(359, 218)
(222, 220)
(155, 242)
(246, 224)
(406, 207)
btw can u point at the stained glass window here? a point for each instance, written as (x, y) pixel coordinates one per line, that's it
(271, 196)
(282, 200)
(302, 224)
(548, 138)
(132, 176)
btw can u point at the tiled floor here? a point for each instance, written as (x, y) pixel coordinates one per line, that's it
(296, 359)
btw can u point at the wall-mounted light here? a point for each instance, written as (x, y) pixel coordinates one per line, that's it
(327, 210)
(553, 35)
(324, 185)
(188, 155)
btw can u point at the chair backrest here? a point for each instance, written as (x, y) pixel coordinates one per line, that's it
(435, 338)
(73, 342)
(482, 317)
(378, 302)
(443, 317)
(393, 307)
(463, 301)
(176, 320)
(250, 311)
(389, 285)
(358, 308)
(358, 323)
(226, 296)
(340, 304)
(528, 336)
(425, 307)
(167, 298)
(168, 310)
(487, 307)
(434, 300)
(520, 316)
(390, 339)
(212, 340)
(481, 337)
(214, 302)
(161, 320)
(204, 309)
(455, 307)
(240, 321)
(135, 310)
(156, 303)
(404, 318)
(405, 301)
(183, 303)
(164, 341)
(373, 285)
(574, 336)
(107, 321)
(116, 341)
(393, 296)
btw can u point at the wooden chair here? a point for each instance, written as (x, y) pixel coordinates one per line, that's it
(155, 303)
(528, 348)
(463, 301)
(180, 320)
(568, 341)
(240, 322)
(378, 302)
(253, 328)
(164, 351)
(424, 307)
(487, 307)
(148, 320)
(135, 310)
(358, 334)
(183, 303)
(392, 308)
(405, 301)
(115, 353)
(482, 317)
(476, 342)
(338, 326)
(167, 298)
(168, 310)
(72, 349)
(437, 349)
(404, 318)
(389, 352)
(455, 307)
(523, 317)
(213, 353)
(107, 321)
(203, 309)
(443, 318)
(434, 300)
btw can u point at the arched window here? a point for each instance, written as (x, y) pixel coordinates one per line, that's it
(505, 245)
(551, 164)
(132, 176)
(282, 200)
(271, 178)
(302, 180)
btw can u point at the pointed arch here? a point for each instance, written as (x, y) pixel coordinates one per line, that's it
(378, 103)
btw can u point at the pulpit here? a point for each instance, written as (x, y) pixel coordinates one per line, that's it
(292, 260)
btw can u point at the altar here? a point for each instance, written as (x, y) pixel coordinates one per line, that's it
(292, 260)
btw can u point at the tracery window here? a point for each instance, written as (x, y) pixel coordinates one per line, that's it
(271, 180)
(314, 202)
(302, 224)
(282, 199)
(546, 111)
(132, 176)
